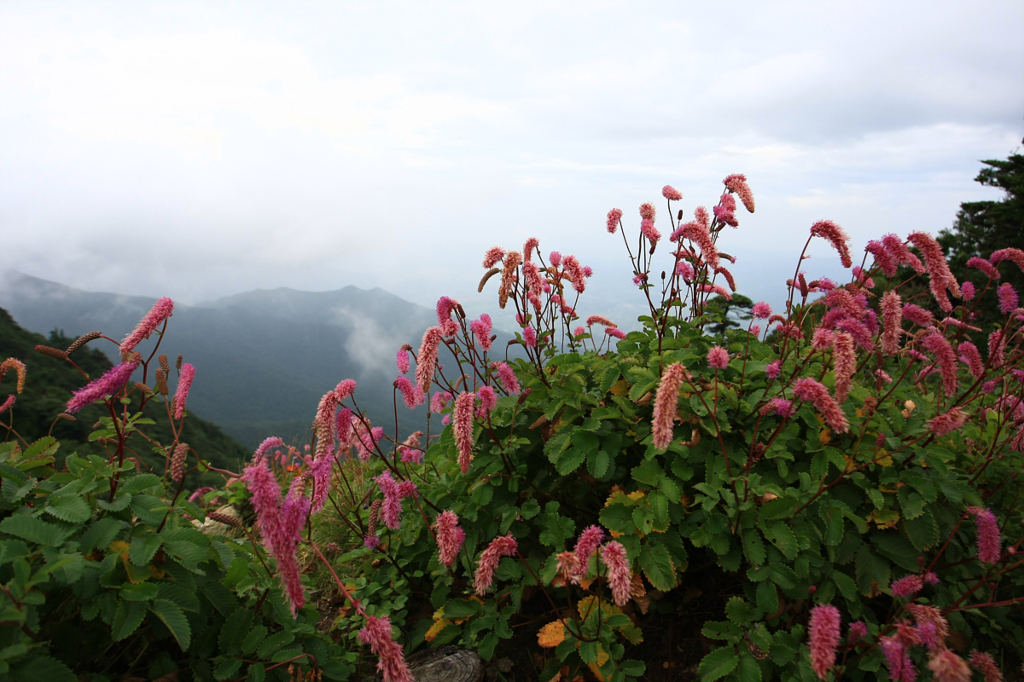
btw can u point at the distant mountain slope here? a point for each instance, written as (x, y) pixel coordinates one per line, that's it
(263, 358)
(50, 383)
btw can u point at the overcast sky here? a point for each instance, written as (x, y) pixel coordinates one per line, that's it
(200, 150)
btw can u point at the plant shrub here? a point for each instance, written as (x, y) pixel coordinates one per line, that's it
(843, 481)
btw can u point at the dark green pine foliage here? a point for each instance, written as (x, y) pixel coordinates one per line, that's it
(728, 313)
(50, 384)
(982, 227)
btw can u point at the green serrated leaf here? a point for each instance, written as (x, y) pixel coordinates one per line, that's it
(273, 643)
(41, 668)
(256, 673)
(570, 460)
(597, 463)
(99, 534)
(748, 670)
(718, 664)
(140, 592)
(781, 535)
(657, 566)
(127, 618)
(922, 531)
(753, 547)
(34, 530)
(70, 508)
(767, 597)
(174, 618)
(235, 627)
(139, 483)
(254, 638)
(141, 550)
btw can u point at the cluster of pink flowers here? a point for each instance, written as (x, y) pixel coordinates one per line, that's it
(377, 633)
(482, 331)
(620, 577)
(590, 539)
(280, 524)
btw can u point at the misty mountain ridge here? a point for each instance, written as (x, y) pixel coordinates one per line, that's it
(263, 358)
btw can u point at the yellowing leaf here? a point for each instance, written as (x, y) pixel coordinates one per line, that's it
(620, 387)
(602, 658)
(586, 607)
(551, 635)
(824, 436)
(883, 458)
(884, 518)
(436, 628)
(636, 495)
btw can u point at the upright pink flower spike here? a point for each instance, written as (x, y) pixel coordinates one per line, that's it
(463, 428)
(161, 310)
(665, 405)
(1007, 298)
(614, 216)
(936, 344)
(718, 358)
(377, 633)
(426, 361)
(989, 537)
(827, 229)
(482, 331)
(761, 311)
(897, 659)
(499, 547)
(844, 359)
(507, 377)
(345, 388)
(892, 322)
(402, 360)
(185, 377)
(620, 578)
(823, 632)
(109, 384)
(449, 537)
(493, 256)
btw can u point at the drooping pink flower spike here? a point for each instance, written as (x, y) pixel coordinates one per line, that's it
(161, 310)
(986, 665)
(19, 368)
(671, 193)
(449, 537)
(586, 546)
(948, 667)
(812, 391)
(620, 577)
(939, 275)
(377, 633)
(499, 547)
(823, 633)
(737, 182)
(827, 229)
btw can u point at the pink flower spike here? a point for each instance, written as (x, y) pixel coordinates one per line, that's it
(826, 229)
(499, 547)
(185, 377)
(948, 422)
(272, 442)
(1015, 255)
(989, 538)
(844, 359)
(968, 291)
(530, 337)
(761, 311)
(411, 394)
(586, 546)
(738, 183)
(615, 333)
(109, 384)
(440, 401)
(892, 322)
(449, 537)
(161, 310)
(986, 665)
(8, 403)
(1007, 298)
(936, 344)
(666, 405)
(377, 633)
(493, 256)
(897, 658)
(463, 428)
(426, 361)
(940, 278)
(907, 586)
(620, 578)
(823, 633)
(948, 667)
(986, 267)
(507, 377)
(671, 193)
(555, 258)
(488, 399)
(482, 331)
(773, 368)
(858, 631)
(600, 319)
(647, 211)
(345, 388)
(718, 358)
(811, 391)
(969, 354)
(614, 216)
(402, 360)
